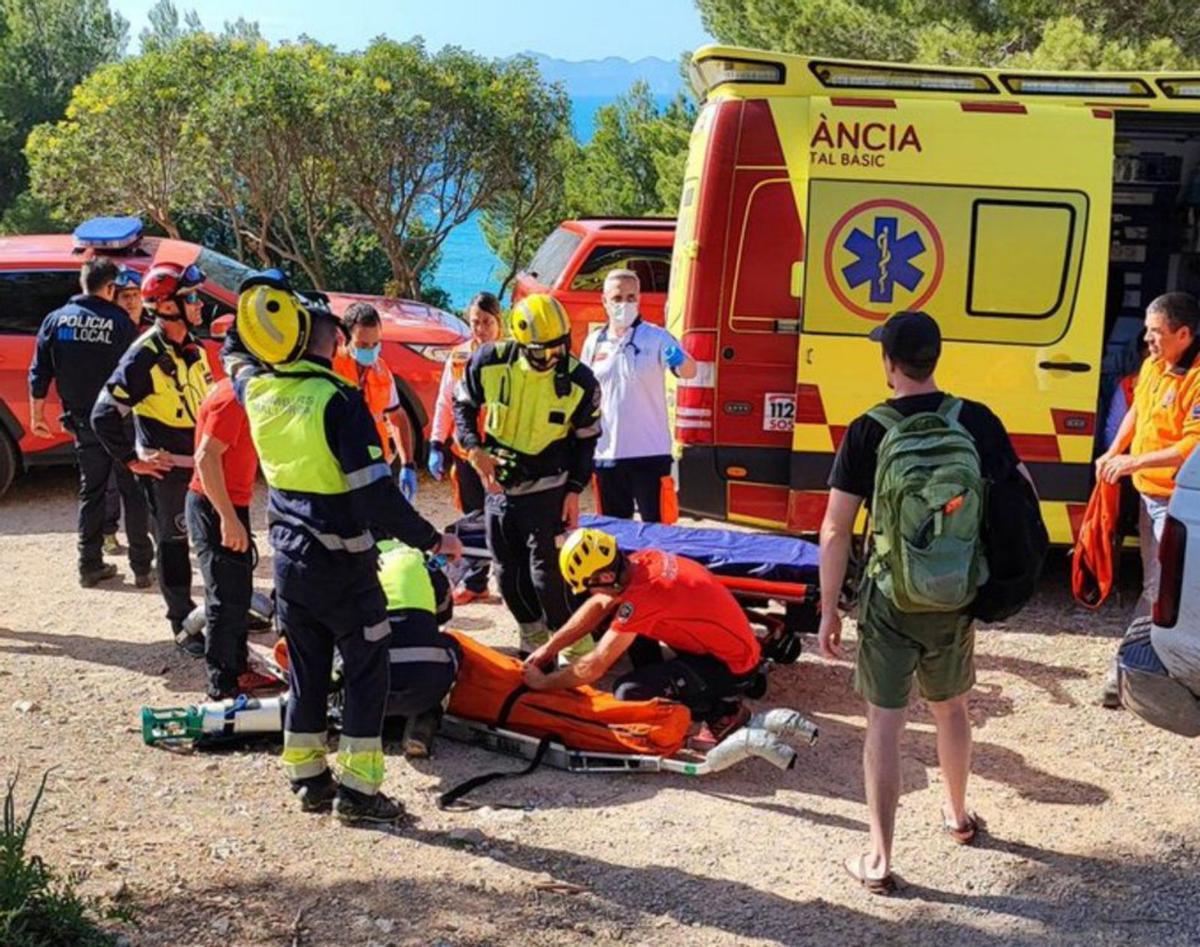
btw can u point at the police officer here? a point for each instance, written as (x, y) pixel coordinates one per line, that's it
(78, 346)
(330, 492)
(161, 381)
(540, 420)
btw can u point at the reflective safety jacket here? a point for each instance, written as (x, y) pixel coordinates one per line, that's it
(541, 425)
(324, 464)
(423, 662)
(1167, 401)
(162, 384)
(379, 391)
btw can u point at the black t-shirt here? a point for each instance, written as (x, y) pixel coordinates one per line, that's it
(854, 466)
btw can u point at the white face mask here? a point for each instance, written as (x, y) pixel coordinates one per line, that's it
(622, 315)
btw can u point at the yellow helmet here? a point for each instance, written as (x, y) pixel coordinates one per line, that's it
(272, 323)
(585, 553)
(539, 320)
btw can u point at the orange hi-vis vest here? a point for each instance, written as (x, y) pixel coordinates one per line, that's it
(379, 391)
(1167, 401)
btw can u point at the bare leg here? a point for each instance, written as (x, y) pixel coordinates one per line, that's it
(954, 754)
(881, 769)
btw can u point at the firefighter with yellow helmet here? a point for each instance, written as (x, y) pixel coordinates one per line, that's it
(331, 497)
(539, 412)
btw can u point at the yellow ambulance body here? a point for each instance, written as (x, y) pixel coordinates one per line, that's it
(1032, 215)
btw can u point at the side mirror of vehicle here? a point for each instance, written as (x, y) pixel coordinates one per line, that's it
(220, 326)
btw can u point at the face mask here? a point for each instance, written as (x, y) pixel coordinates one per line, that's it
(367, 356)
(622, 315)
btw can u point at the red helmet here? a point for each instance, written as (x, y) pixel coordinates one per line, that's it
(166, 281)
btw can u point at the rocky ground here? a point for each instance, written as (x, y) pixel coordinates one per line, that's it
(1093, 834)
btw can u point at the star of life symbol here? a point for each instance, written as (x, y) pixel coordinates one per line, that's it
(883, 259)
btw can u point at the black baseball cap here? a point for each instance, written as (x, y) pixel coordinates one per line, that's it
(912, 338)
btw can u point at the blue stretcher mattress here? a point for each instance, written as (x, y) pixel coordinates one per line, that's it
(724, 551)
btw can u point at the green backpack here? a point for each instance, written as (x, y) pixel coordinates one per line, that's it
(927, 511)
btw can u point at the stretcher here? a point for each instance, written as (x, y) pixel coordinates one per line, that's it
(774, 578)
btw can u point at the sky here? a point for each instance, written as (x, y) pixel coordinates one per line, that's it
(564, 29)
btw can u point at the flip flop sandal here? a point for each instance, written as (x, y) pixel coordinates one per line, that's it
(884, 886)
(963, 834)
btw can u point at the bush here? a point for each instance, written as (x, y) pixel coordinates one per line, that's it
(37, 908)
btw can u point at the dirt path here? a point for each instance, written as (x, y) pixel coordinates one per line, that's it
(1094, 836)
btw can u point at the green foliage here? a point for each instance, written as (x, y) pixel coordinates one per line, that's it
(620, 171)
(519, 216)
(46, 48)
(350, 169)
(38, 908)
(1044, 34)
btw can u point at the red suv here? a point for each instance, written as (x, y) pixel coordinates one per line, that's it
(39, 273)
(571, 263)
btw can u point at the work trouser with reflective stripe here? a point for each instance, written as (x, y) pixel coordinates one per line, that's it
(326, 600)
(424, 663)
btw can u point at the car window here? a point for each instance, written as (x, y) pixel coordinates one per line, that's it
(225, 271)
(652, 265)
(27, 297)
(552, 256)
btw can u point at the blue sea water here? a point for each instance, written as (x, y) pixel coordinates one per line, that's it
(467, 265)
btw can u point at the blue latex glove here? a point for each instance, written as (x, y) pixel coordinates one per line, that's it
(673, 355)
(408, 483)
(437, 461)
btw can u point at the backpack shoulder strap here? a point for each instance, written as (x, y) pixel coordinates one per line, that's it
(950, 408)
(885, 416)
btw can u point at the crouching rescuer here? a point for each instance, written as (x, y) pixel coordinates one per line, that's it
(330, 493)
(670, 601)
(539, 410)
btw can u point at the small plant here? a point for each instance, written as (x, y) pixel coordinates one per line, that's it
(38, 908)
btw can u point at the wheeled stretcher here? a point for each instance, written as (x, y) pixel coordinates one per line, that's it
(774, 578)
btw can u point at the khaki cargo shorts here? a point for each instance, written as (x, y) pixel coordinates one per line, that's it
(939, 648)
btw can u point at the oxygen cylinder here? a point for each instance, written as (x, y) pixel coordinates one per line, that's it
(239, 716)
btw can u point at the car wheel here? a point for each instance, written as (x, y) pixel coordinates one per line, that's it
(10, 462)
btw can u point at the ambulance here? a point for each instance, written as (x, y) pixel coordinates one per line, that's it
(1033, 215)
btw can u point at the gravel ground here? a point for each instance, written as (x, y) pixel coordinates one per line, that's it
(1093, 836)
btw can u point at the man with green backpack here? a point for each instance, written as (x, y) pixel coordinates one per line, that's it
(921, 461)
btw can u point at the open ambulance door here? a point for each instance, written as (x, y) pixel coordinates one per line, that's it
(993, 217)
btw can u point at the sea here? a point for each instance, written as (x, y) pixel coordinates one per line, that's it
(467, 265)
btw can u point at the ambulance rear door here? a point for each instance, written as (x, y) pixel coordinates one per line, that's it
(993, 217)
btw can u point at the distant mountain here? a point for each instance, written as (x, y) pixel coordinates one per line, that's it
(611, 76)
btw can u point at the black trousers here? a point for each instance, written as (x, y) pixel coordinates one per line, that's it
(521, 531)
(634, 482)
(112, 504)
(228, 584)
(700, 682)
(96, 465)
(167, 498)
(321, 604)
(470, 495)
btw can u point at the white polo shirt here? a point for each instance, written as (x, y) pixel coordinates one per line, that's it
(631, 371)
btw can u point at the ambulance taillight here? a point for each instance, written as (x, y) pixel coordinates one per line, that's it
(695, 397)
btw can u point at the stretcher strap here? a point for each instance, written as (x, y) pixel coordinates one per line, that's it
(453, 795)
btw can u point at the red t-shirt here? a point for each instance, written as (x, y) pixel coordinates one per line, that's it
(223, 417)
(677, 601)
